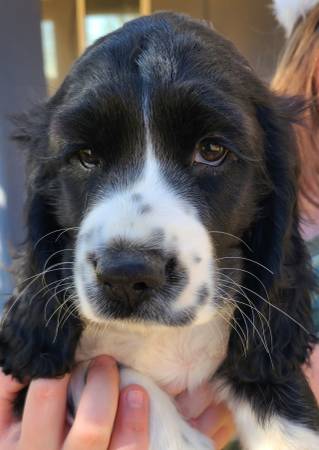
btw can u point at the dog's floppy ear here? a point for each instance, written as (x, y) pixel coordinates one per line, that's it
(32, 134)
(39, 331)
(277, 210)
(279, 289)
(276, 310)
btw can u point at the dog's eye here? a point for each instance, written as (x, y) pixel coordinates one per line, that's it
(208, 152)
(88, 159)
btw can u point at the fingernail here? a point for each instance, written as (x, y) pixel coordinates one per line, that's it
(102, 361)
(135, 399)
(99, 365)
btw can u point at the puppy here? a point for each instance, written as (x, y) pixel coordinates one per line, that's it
(163, 230)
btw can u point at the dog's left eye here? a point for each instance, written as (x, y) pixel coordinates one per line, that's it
(88, 159)
(208, 152)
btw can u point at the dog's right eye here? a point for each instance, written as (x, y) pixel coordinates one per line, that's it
(208, 152)
(88, 159)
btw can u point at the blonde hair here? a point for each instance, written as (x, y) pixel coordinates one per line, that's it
(296, 74)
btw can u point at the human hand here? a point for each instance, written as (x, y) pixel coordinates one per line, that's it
(105, 419)
(209, 417)
(215, 420)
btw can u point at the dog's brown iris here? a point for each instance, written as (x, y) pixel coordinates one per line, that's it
(209, 152)
(88, 159)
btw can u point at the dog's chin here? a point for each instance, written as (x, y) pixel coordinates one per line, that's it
(148, 313)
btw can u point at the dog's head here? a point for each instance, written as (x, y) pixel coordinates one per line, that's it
(161, 179)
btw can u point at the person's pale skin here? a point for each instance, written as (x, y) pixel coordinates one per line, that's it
(106, 418)
(211, 418)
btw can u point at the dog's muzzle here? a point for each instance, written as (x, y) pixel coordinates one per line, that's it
(130, 277)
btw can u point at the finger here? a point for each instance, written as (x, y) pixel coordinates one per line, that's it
(132, 421)
(95, 416)
(224, 436)
(13, 435)
(9, 389)
(212, 419)
(43, 421)
(192, 404)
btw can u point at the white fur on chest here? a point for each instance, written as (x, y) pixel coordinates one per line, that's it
(175, 358)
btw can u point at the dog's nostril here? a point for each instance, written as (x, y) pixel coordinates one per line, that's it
(170, 267)
(92, 259)
(131, 277)
(140, 286)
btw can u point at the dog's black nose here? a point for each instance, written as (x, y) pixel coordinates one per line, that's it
(130, 278)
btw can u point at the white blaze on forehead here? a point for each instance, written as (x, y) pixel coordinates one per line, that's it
(148, 208)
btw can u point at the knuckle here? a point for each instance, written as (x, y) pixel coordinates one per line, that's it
(44, 389)
(91, 437)
(136, 426)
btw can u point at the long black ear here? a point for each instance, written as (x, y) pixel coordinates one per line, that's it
(278, 208)
(267, 373)
(279, 289)
(39, 327)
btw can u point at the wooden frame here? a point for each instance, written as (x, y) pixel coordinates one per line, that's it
(69, 17)
(80, 11)
(145, 7)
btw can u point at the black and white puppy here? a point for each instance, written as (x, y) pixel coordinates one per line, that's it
(163, 230)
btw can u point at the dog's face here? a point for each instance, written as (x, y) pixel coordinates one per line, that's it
(157, 162)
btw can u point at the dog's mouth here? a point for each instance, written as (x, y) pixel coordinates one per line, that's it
(135, 286)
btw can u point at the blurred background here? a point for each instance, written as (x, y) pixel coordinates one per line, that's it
(40, 39)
